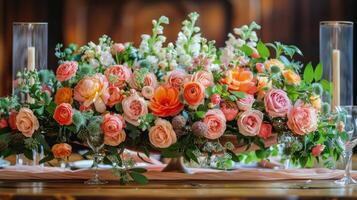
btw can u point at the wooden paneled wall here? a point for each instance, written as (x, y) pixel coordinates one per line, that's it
(80, 21)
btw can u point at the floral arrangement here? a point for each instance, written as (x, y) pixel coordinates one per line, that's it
(179, 99)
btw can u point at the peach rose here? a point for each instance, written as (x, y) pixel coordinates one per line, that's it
(176, 78)
(229, 109)
(265, 130)
(302, 118)
(118, 75)
(66, 70)
(62, 150)
(249, 122)
(194, 93)
(203, 77)
(246, 102)
(317, 150)
(149, 80)
(26, 122)
(240, 79)
(63, 114)
(64, 95)
(316, 102)
(115, 140)
(92, 89)
(148, 92)
(273, 62)
(162, 134)
(291, 77)
(277, 103)
(166, 102)
(115, 96)
(112, 124)
(216, 123)
(12, 119)
(134, 107)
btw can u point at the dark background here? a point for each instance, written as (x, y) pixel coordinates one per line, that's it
(289, 21)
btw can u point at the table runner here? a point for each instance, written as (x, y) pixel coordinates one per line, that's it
(154, 173)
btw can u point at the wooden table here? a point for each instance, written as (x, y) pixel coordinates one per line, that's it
(243, 190)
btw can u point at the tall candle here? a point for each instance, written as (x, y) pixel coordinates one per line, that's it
(30, 67)
(336, 78)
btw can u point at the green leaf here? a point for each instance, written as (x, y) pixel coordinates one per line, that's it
(326, 85)
(263, 50)
(200, 114)
(191, 155)
(46, 159)
(308, 73)
(139, 178)
(235, 158)
(247, 50)
(240, 95)
(318, 72)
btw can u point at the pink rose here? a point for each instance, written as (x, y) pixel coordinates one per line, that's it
(203, 77)
(249, 122)
(229, 109)
(63, 114)
(317, 150)
(265, 130)
(246, 102)
(3, 123)
(118, 75)
(93, 89)
(115, 140)
(148, 92)
(215, 99)
(176, 78)
(26, 122)
(162, 134)
(115, 96)
(66, 70)
(112, 124)
(302, 118)
(134, 107)
(277, 103)
(216, 123)
(117, 48)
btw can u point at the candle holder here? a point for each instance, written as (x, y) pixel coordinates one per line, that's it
(336, 56)
(29, 43)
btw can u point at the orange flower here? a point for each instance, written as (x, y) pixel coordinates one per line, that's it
(194, 93)
(166, 102)
(64, 95)
(62, 150)
(240, 80)
(273, 62)
(291, 77)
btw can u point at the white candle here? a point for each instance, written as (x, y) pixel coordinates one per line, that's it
(30, 67)
(336, 78)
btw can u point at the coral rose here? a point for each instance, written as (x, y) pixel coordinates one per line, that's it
(12, 120)
(229, 109)
(249, 122)
(291, 77)
(112, 124)
(118, 75)
(277, 103)
(115, 96)
(92, 89)
(176, 78)
(317, 150)
(194, 93)
(246, 102)
(165, 102)
(265, 130)
(134, 107)
(302, 118)
(115, 140)
(62, 150)
(66, 70)
(63, 114)
(240, 80)
(26, 122)
(162, 134)
(203, 77)
(64, 95)
(216, 123)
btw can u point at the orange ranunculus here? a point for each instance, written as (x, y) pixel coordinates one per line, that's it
(64, 95)
(240, 80)
(165, 102)
(61, 150)
(194, 93)
(291, 77)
